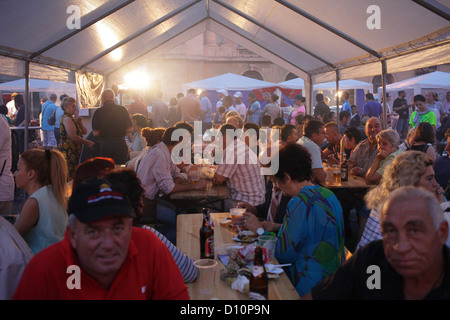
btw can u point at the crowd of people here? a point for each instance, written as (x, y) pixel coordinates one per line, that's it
(119, 224)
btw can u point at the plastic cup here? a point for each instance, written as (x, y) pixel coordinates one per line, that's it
(336, 173)
(207, 275)
(269, 243)
(236, 213)
(194, 175)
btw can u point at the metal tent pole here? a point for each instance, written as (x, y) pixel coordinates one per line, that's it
(337, 96)
(383, 84)
(27, 103)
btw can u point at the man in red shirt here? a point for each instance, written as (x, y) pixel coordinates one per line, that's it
(102, 256)
(138, 107)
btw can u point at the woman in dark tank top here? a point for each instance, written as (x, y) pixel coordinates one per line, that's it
(423, 139)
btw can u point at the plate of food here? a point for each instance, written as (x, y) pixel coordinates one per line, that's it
(246, 236)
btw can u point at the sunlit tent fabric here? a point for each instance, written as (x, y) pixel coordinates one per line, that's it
(114, 33)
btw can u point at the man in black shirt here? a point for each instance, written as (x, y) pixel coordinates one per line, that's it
(110, 123)
(321, 108)
(412, 261)
(401, 107)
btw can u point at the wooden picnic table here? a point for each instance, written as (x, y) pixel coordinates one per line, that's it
(352, 182)
(212, 193)
(350, 194)
(188, 241)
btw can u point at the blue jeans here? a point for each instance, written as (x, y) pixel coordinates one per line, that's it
(403, 127)
(166, 215)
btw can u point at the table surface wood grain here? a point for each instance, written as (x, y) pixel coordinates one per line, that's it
(188, 241)
(212, 192)
(352, 182)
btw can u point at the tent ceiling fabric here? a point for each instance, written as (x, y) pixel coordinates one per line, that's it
(311, 38)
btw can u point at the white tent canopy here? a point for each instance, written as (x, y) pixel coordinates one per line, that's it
(316, 39)
(347, 84)
(433, 80)
(297, 83)
(38, 85)
(228, 81)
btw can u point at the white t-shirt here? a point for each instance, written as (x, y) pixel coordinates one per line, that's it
(14, 257)
(11, 105)
(314, 150)
(242, 109)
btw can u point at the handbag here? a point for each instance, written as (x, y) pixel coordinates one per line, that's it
(52, 120)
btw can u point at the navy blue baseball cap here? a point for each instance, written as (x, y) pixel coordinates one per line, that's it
(95, 199)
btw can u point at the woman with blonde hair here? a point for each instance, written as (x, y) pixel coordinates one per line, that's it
(43, 219)
(412, 168)
(72, 131)
(388, 149)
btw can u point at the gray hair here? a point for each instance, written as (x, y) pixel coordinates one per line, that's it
(66, 101)
(407, 194)
(390, 135)
(72, 221)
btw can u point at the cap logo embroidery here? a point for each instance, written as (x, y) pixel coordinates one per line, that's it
(105, 193)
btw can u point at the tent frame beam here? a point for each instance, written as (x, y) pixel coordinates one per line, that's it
(433, 9)
(260, 25)
(337, 96)
(329, 28)
(255, 43)
(383, 84)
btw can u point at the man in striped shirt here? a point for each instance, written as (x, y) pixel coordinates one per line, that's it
(160, 177)
(241, 170)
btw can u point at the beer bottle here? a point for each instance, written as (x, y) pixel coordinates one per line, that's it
(206, 237)
(344, 169)
(259, 283)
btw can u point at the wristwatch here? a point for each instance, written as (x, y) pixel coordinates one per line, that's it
(260, 231)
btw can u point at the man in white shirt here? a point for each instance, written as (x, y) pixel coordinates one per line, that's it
(313, 138)
(14, 257)
(447, 103)
(436, 106)
(220, 94)
(11, 105)
(240, 106)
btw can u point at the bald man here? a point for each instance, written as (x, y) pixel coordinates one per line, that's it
(110, 123)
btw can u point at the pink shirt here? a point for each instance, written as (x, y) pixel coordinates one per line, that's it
(241, 166)
(300, 109)
(157, 171)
